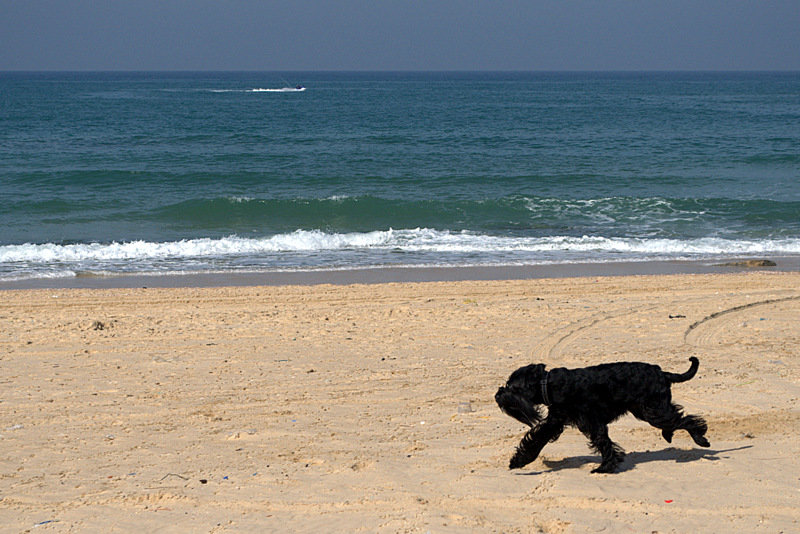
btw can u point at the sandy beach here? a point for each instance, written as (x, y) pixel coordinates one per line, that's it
(369, 408)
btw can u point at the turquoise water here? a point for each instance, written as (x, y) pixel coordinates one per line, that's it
(111, 173)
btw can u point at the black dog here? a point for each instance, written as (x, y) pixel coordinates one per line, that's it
(590, 399)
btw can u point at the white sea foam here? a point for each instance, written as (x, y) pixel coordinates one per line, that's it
(191, 248)
(419, 240)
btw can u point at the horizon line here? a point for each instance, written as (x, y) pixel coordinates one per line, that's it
(409, 71)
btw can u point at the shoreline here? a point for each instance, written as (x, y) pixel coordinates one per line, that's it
(383, 275)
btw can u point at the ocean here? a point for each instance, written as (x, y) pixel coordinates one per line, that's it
(104, 174)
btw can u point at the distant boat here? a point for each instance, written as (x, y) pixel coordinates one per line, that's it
(288, 86)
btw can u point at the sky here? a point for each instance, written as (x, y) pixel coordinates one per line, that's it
(381, 35)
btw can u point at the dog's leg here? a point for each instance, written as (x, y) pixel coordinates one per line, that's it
(696, 427)
(662, 414)
(611, 452)
(669, 418)
(533, 442)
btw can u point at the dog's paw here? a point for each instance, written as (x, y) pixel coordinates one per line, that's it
(518, 462)
(667, 435)
(701, 440)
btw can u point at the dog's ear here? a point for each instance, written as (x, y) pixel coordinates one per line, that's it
(528, 376)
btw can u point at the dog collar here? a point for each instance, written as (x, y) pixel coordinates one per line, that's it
(545, 398)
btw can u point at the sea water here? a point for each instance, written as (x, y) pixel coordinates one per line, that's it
(111, 173)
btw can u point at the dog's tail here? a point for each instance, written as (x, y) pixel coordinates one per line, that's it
(688, 375)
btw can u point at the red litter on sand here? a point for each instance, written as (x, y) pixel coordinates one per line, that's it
(668, 501)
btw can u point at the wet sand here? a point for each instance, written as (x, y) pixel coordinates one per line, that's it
(369, 407)
(383, 275)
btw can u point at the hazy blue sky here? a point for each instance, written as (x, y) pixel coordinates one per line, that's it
(399, 35)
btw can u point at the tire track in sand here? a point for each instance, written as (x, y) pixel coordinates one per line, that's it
(706, 330)
(552, 346)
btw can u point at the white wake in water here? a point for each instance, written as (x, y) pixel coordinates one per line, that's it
(261, 90)
(281, 90)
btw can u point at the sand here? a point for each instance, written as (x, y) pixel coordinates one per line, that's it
(369, 408)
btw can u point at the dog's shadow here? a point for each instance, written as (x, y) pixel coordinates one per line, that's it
(632, 459)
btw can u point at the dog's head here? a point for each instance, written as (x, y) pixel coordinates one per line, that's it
(522, 395)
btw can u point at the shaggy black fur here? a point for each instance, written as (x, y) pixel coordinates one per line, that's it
(589, 399)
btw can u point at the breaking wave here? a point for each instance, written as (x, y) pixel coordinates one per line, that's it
(318, 249)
